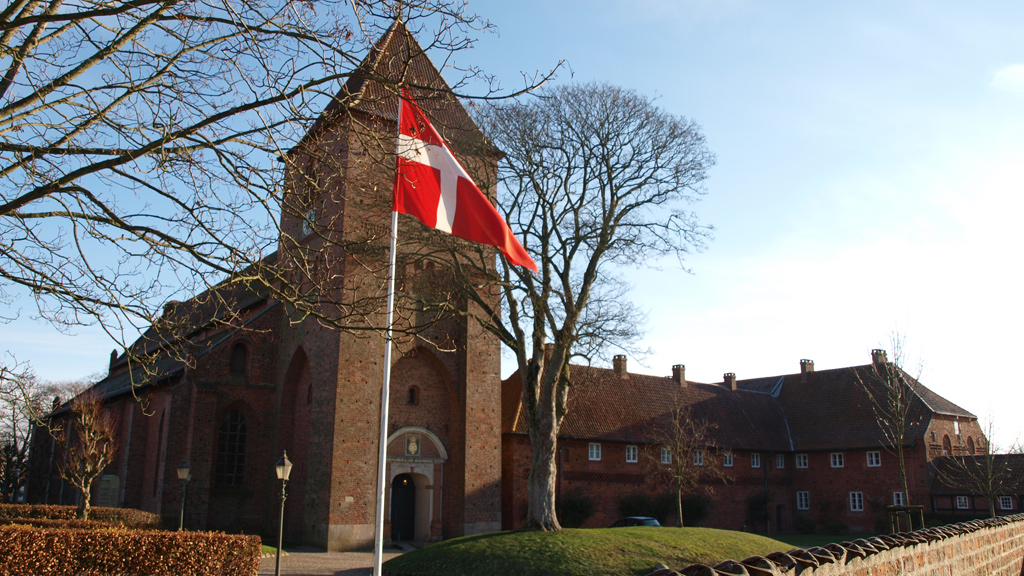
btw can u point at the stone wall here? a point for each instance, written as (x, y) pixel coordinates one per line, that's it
(993, 547)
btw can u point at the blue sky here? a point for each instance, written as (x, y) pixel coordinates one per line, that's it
(870, 167)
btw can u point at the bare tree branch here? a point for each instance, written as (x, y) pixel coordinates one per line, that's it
(593, 176)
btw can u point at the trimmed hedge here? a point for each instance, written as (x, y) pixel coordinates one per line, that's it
(32, 551)
(47, 523)
(129, 517)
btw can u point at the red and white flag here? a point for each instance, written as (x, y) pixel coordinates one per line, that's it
(431, 185)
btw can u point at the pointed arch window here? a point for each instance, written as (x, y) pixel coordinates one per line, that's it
(231, 441)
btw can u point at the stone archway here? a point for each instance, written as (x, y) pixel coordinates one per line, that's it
(416, 458)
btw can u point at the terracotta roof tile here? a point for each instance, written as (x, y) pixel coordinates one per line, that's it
(819, 410)
(603, 405)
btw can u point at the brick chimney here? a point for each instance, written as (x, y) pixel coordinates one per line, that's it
(878, 357)
(619, 365)
(730, 380)
(806, 367)
(679, 374)
(549, 351)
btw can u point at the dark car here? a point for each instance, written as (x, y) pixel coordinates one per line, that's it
(636, 521)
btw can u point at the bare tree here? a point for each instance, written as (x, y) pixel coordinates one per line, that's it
(140, 145)
(88, 437)
(21, 400)
(888, 387)
(693, 458)
(593, 177)
(985, 471)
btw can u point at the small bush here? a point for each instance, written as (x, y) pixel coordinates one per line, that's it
(636, 505)
(696, 508)
(573, 509)
(665, 508)
(32, 551)
(805, 525)
(128, 517)
(757, 512)
(834, 526)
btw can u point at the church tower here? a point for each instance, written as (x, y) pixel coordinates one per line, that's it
(443, 464)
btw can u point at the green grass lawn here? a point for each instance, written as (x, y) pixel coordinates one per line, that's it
(271, 550)
(608, 551)
(811, 540)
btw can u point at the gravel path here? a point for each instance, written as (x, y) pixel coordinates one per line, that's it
(310, 562)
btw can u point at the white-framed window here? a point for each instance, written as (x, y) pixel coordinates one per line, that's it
(803, 500)
(755, 460)
(962, 503)
(856, 501)
(1006, 502)
(594, 451)
(780, 461)
(631, 453)
(666, 456)
(874, 458)
(801, 460)
(956, 427)
(698, 457)
(727, 459)
(897, 499)
(837, 459)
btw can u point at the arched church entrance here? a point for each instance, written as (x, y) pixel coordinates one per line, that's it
(416, 459)
(403, 508)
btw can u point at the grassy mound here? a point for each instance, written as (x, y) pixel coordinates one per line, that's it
(609, 551)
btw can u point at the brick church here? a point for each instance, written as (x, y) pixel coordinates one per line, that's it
(259, 380)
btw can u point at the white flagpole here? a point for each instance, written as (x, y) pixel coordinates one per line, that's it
(378, 537)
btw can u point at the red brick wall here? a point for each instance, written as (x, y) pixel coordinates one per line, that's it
(607, 481)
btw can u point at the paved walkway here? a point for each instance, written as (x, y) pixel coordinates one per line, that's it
(311, 562)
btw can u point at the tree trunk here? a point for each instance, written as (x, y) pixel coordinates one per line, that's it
(679, 505)
(903, 475)
(544, 396)
(541, 484)
(83, 505)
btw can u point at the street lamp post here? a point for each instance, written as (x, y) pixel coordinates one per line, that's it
(183, 471)
(284, 469)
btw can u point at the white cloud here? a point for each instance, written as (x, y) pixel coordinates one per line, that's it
(1010, 79)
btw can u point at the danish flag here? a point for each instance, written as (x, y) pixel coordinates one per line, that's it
(432, 186)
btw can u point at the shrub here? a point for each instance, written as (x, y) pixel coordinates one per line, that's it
(834, 526)
(636, 505)
(128, 517)
(696, 508)
(36, 551)
(665, 507)
(757, 512)
(805, 525)
(573, 509)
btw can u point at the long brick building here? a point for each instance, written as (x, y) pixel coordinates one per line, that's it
(801, 451)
